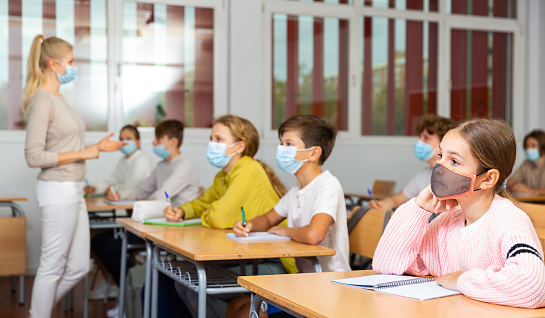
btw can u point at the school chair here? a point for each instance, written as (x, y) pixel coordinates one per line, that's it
(536, 212)
(365, 227)
(383, 188)
(13, 247)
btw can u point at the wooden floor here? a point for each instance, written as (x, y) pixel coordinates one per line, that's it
(9, 302)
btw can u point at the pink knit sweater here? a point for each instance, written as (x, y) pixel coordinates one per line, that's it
(502, 260)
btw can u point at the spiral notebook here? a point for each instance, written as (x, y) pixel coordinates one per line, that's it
(421, 288)
(163, 221)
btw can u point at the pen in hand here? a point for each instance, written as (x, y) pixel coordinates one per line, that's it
(370, 194)
(243, 218)
(113, 192)
(171, 204)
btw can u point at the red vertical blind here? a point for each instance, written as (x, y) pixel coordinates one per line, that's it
(204, 67)
(313, 91)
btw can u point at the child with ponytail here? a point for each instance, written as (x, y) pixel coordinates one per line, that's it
(55, 143)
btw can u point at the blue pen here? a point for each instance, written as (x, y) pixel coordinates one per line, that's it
(168, 199)
(87, 183)
(370, 194)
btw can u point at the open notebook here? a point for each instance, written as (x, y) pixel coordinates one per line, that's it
(163, 221)
(122, 202)
(421, 288)
(258, 237)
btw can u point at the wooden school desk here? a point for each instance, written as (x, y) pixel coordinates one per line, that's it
(202, 247)
(314, 295)
(529, 197)
(141, 230)
(13, 256)
(101, 204)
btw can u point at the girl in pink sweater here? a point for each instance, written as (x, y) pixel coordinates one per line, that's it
(481, 244)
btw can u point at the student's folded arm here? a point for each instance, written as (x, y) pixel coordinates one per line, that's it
(398, 249)
(519, 283)
(262, 223)
(226, 210)
(313, 233)
(196, 208)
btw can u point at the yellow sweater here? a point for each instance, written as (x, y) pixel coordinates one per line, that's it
(245, 185)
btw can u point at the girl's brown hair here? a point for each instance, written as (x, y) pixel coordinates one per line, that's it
(243, 130)
(493, 144)
(41, 51)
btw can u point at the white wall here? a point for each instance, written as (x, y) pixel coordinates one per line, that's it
(357, 163)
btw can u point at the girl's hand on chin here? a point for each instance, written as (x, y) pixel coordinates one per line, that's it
(427, 201)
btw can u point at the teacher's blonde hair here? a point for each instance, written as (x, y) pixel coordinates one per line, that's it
(41, 51)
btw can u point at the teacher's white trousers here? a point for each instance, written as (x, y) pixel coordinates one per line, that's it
(64, 259)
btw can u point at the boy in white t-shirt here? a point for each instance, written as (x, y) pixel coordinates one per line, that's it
(314, 206)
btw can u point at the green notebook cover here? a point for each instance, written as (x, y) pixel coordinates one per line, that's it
(163, 221)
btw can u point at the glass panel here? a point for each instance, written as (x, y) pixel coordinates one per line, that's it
(310, 68)
(480, 74)
(83, 24)
(399, 74)
(418, 5)
(168, 65)
(490, 8)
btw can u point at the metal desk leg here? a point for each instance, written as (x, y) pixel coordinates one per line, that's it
(123, 273)
(155, 282)
(202, 289)
(21, 289)
(85, 296)
(255, 305)
(316, 264)
(147, 289)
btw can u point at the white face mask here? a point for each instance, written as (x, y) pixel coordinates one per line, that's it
(285, 158)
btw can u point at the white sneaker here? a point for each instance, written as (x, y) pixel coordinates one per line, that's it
(99, 291)
(113, 313)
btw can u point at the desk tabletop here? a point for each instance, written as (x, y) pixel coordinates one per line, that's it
(212, 245)
(142, 230)
(102, 204)
(314, 295)
(11, 198)
(529, 197)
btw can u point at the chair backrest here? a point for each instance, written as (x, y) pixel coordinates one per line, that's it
(536, 212)
(365, 235)
(383, 189)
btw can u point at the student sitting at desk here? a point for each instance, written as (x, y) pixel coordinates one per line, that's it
(131, 169)
(176, 175)
(241, 182)
(530, 176)
(314, 206)
(431, 129)
(481, 244)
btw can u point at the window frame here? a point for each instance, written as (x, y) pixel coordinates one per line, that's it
(114, 120)
(446, 23)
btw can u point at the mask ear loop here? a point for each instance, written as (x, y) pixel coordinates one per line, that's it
(479, 175)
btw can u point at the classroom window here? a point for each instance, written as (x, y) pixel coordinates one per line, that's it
(418, 5)
(399, 82)
(490, 8)
(480, 74)
(327, 1)
(84, 25)
(168, 64)
(310, 68)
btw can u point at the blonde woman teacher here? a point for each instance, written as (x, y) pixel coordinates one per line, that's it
(55, 143)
